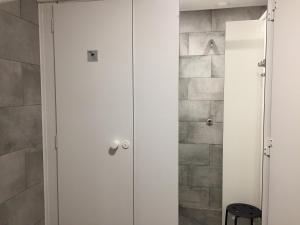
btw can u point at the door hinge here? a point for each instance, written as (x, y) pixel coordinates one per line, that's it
(262, 63)
(268, 147)
(271, 13)
(52, 25)
(55, 143)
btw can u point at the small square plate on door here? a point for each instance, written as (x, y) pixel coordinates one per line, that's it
(92, 56)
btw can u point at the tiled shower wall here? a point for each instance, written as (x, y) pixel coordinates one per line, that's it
(202, 46)
(21, 159)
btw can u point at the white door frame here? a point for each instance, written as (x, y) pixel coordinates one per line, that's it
(48, 112)
(156, 145)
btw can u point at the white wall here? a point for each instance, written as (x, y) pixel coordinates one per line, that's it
(284, 206)
(243, 113)
(156, 55)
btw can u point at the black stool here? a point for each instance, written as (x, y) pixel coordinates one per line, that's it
(240, 210)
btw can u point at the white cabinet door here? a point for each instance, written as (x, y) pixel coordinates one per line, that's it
(94, 108)
(284, 196)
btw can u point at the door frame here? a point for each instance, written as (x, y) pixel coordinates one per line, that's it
(49, 127)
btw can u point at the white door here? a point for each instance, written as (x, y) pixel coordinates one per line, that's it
(94, 108)
(284, 196)
(243, 113)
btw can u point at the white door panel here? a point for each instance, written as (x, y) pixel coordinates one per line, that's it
(94, 107)
(243, 113)
(284, 195)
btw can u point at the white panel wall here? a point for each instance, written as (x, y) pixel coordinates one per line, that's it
(156, 55)
(284, 206)
(243, 113)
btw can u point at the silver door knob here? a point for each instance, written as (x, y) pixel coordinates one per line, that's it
(115, 145)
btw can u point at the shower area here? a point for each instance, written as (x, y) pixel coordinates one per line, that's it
(201, 107)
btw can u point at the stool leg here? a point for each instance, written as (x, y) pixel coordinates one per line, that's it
(236, 220)
(252, 221)
(226, 217)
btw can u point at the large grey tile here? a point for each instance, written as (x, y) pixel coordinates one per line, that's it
(195, 66)
(200, 216)
(183, 132)
(215, 198)
(11, 6)
(34, 162)
(195, 21)
(41, 222)
(11, 83)
(184, 175)
(221, 16)
(203, 176)
(25, 208)
(208, 43)
(206, 89)
(12, 174)
(193, 110)
(20, 127)
(200, 133)
(183, 44)
(197, 154)
(29, 10)
(183, 88)
(194, 198)
(19, 39)
(32, 84)
(216, 156)
(217, 111)
(218, 66)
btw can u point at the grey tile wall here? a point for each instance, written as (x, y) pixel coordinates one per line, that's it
(21, 157)
(201, 94)
(12, 7)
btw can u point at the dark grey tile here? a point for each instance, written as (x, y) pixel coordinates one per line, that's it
(199, 216)
(20, 127)
(218, 66)
(25, 208)
(183, 132)
(194, 198)
(197, 154)
(200, 43)
(41, 222)
(19, 39)
(195, 66)
(201, 133)
(215, 198)
(184, 44)
(32, 84)
(12, 175)
(183, 88)
(34, 162)
(195, 21)
(216, 156)
(29, 10)
(203, 176)
(206, 89)
(184, 175)
(221, 16)
(217, 111)
(11, 83)
(194, 110)
(11, 6)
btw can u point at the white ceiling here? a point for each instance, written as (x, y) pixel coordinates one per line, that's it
(186, 5)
